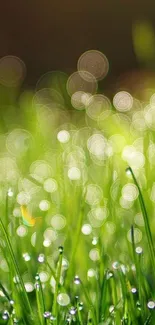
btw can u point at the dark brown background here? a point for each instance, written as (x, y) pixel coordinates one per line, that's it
(51, 34)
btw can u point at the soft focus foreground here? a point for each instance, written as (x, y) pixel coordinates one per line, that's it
(76, 198)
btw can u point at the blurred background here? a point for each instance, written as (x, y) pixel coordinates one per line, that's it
(51, 35)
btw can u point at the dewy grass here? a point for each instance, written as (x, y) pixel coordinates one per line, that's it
(146, 220)
(116, 282)
(14, 263)
(40, 300)
(58, 275)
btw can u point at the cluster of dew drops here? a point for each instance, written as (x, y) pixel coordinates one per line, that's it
(96, 145)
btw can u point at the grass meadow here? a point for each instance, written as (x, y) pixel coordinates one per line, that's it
(77, 204)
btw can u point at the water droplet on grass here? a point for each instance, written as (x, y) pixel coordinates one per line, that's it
(110, 275)
(116, 265)
(138, 305)
(37, 277)
(29, 286)
(26, 257)
(139, 250)
(111, 309)
(52, 317)
(5, 315)
(73, 310)
(44, 276)
(41, 258)
(68, 319)
(61, 249)
(12, 302)
(86, 229)
(16, 279)
(10, 192)
(128, 171)
(77, 279)
(95, 241)
(133, 290)
(37, 286)
(80, 305)
(151, 304)
(47, 314)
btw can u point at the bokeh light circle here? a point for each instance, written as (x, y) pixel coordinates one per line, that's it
(12, 71)
(63, 299)
(81, 81)
(137, 236)
(130, 192)
(74, 174)
(19, 141)
(78, 100)
(22, 231)
(86, 229)
(58, 222)
(50, 185)
(63, 136)
(94, 62)
(96, 105)
(93, 194)
(123, 101)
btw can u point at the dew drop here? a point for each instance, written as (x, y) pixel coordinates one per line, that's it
(61, 249)
(86, 229)
(72, 310)
(47, 314)
(110, 275)
(151, 304)
(12, 302)
(52, 317)
(41, 258)
(68, 319)
(29, 287)
(10, 192)
(26, 257)
(111, 309)
(139, 250)
(133, 290)
(37, 277)
(5, 315)
(80, 305)
(37, 286)
(16, 279)
(128, 171)
(138, 305)
(44, 276)
(95, 241)
(124, 321)
(115, 265)
(77, 279)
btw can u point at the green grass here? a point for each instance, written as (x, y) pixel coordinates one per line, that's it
(94, 263)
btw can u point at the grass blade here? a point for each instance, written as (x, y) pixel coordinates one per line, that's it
(40, 300)
(16, 269)
(146, 220)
